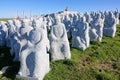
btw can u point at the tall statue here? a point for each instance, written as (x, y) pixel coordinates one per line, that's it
(24, 31)
(96, 27)
(80, 39)
(34, 60)
(59, 45)
(109, 28)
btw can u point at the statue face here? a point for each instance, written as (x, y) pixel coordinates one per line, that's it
(58, 31)
(57, 19)
(35, 36)
(35, 24)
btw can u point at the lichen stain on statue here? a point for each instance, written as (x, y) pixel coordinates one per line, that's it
(34, 60)
(59, 45)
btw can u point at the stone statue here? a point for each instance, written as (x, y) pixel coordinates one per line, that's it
(48, 22)
(109, 28)
(15, 45)
(11, 27)
(59, 45)
(25, 28)
(96, 28)
(11, 30)
(68, 25)
(102, 15)
(116, 14)
(18, 24)
(3, 33)
(24, 31)
(88, 17)
(34, 60)
(80, 37)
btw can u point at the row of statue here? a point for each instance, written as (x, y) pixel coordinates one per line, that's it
(30, 40)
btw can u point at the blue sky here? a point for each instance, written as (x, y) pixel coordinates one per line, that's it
(8, 8)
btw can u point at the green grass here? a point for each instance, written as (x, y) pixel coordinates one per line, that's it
(101, 61)
(4, 19)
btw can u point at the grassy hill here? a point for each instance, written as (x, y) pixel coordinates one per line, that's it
(4, 19)
(101, 61)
